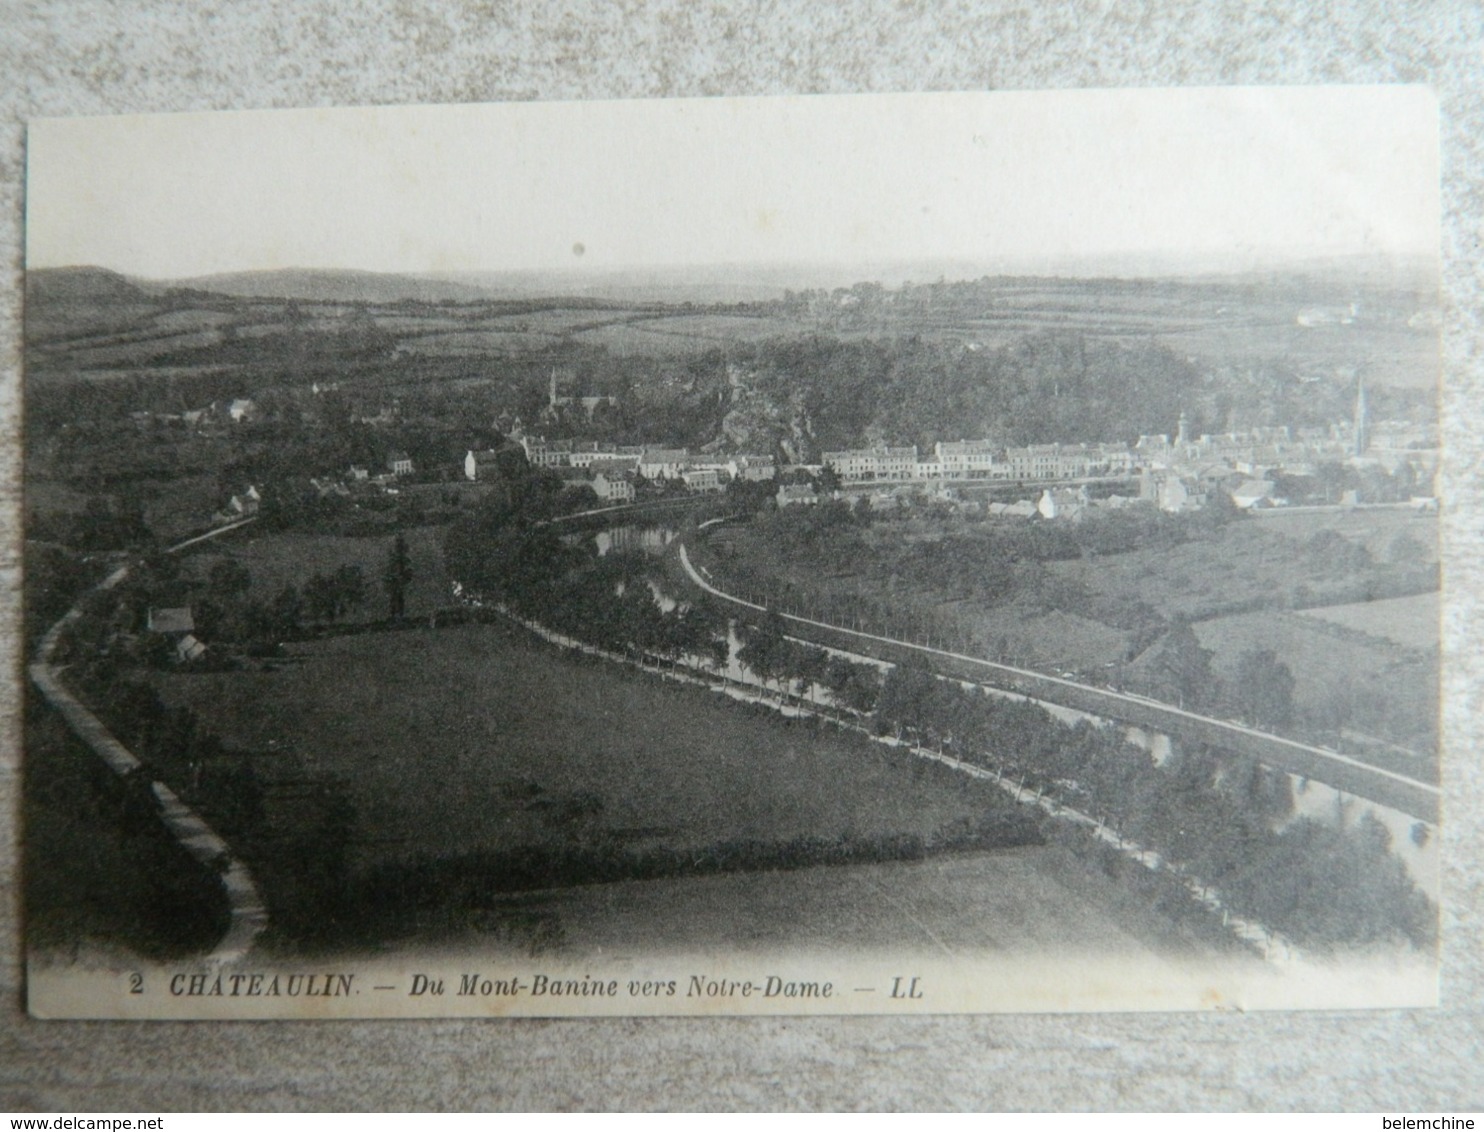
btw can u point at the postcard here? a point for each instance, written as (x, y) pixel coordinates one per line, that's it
(865, 554)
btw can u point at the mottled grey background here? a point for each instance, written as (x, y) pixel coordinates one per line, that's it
(128, 56)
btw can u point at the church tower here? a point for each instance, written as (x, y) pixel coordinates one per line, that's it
(1183, 435)
(1362, 426)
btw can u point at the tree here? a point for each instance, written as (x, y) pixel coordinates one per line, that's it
(763, 646)
(1406, 550)
(229, 579)
(1183, 669)
(350, 587)
(1263, 692)
(396, 576)
(320, 595)
(327, 597)
(286, 610)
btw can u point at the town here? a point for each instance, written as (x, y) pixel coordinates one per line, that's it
(1348, 463)
(852, 598)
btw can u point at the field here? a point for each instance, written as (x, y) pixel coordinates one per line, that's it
(1253, 561)
(291, 559)
(1342, 678)
(1370, 668)
(1376, 528)
(478, 738)
(475, 342)
(687, 334)
(1032, 900)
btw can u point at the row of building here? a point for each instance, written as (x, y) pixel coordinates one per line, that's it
(981, 459)
(613, 470)
(1253, 453)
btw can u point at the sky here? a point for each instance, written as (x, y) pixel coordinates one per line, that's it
(1215, 173)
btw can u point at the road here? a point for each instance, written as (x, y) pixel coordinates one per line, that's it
(248, 914)
(1409, 795)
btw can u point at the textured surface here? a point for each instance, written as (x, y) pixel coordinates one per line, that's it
(102, 56)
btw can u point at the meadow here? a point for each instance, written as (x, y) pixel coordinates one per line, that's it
(480, 739)
(1411, 622)
(1343, 677)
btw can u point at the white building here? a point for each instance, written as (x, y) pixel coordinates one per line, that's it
(664, 463)
(864, 465)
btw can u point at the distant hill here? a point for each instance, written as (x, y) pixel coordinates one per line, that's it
(332, 286)
(49, 285)
(65, 301)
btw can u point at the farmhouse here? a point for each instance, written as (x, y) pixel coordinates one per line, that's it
(171, 620)
(399, 463)
(189, 648)
(241, 409)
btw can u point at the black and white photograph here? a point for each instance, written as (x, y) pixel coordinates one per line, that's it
(858, 554)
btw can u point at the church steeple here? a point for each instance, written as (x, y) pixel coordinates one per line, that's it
(1183, 435)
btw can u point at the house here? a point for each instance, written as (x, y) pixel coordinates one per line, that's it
(327, 487)
(1020, 509)
(189, 648)
(171, 620)
(399, 463)
(614, 486)
(701, 479)
(543, 453)
(586, 453)
(358, 474)
(751, 469)
(966, 459)
(860, 465)
(241, 409)
(483, 465)
(664, 463)
(1061, 503)
(1173, 496)
(796, 495)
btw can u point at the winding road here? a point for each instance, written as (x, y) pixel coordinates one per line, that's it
(248, 914)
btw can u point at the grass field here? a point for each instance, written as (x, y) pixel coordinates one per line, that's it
(1249, 561)
(479, 738)
(1038, 900)
(1411, 622)
(1375, 528)
(687, 334)
(291, 559)
(464, 342)
(1384, 689)
(1383, 683)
